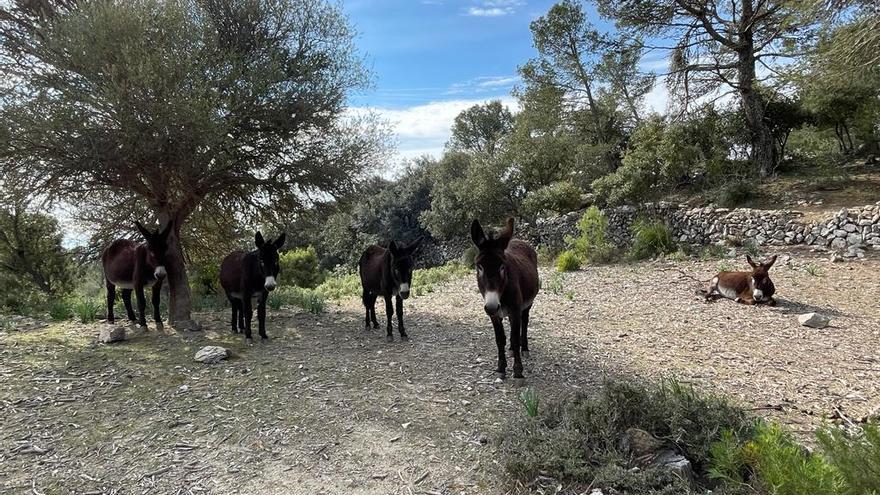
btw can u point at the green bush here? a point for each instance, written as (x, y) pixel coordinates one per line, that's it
(592, 243)
(650, 238)
(568, 261)
(559, 197)
(735, 193)
(784, 467)
(425, 280)
(340, 286)
(299, 267)
(469, 255)
(308, 299)
(60, 310)
(578, 441)
(855, 457)
(86, 309)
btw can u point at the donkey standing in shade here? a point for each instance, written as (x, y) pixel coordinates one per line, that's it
(754, 287)
(387, 273)
(507, 276)
(248, 276)
(132, 266)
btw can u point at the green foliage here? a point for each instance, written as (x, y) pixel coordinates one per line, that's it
(568, 261)
(424, 281)
(735, 193)
(578, 441)
(812, 269)
(340, 285)
(530, 401)
(650, 238)
(556, 283)
(558, 197)
(86, 310)
(469, 255)
(855, 457)
(60, 309)
(480, 129)
(727, 459)
(592, 243)
(310, 300)
(785, 468)
(300, 267)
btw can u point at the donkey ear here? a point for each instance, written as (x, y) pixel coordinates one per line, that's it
(258, 239)
(394, 248)
(751, 263)
(478, 235)
(143, 230)
(280, 241)
(768, 264)
(414, 244)
(503, 237)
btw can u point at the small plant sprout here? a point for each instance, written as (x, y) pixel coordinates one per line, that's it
(530, 400)
(813, 270)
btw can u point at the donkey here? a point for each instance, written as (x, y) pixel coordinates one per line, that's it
(507, 276)
(132, 266)
(387, 272)
(753, 287)
(248, 276)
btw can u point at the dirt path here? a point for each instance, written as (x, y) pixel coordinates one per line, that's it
(327, 408)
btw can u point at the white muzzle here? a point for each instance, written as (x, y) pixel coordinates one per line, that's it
(160, 272)
(270, 283)
(491, 302)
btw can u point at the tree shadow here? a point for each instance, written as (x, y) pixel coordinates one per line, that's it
(789, 307)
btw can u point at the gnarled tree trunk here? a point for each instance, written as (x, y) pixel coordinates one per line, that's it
(180, 303)
(763, 153)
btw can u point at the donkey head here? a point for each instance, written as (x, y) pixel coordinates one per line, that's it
(268, 255)
(402, 265)
(157, 247)
(491, 263)
(762, 286)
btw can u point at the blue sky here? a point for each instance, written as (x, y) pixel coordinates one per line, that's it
(433, 58)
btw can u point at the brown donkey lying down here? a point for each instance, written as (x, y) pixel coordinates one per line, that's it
(754, 287)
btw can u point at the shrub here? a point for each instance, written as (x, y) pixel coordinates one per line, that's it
(86, 310)
(568, 261)
(530, 400)
(340, 285)
(60, 310)
(592, 243)
(785, 467)
(735, 193)
(299, 267)
(308, 299)
(856, 457)
(651, 238)
(578, 441)
(424, 280)
(558, 197)
(469, 255)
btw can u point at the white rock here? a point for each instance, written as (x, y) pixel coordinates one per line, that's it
(211, 354)
(110, 335)
(813, 320)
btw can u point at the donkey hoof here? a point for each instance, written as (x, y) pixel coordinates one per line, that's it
(404, 337)
(389, 338)
(375, 325)
(248, 341)
(264, 339)
(525, 354)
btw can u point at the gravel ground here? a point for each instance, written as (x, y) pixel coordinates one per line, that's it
(325, 407)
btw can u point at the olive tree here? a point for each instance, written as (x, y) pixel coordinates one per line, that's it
(226, 110)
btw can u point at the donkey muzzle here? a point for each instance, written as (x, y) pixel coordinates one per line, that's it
(270, 284)
(160, 272)
(404, 291)
(491, 303)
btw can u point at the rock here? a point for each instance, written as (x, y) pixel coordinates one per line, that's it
(110, 335)
(211, 354)
(640, 442)
(675, 462)
(813, 320)
(850, 227)
(835, 258)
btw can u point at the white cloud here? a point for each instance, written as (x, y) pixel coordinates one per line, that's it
(483, 85)
(494, 8)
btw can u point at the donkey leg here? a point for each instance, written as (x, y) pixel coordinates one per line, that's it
(373, 310)
(261, 316)
(515, 327)
(389, 312)
(500, 341)
(126, 299)
(248, 307)
(111, 300)
(157, 294)
(142, 305)
(524, 333)
(403, 335)
(236, 313)
(365, 297)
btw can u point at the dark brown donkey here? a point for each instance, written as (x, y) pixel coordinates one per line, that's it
(248, 276)
(387, 272)
(132, 266)
(754, 287)
(507, 275)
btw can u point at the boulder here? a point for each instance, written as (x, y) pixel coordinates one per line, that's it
(676, 463)
(110, 335)
(814, 320)
(211, 354)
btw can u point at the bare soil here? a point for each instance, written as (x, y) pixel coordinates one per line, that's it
(326, 407)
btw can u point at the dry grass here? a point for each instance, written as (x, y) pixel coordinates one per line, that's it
(326, 408)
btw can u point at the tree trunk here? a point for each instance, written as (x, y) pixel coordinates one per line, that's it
(762, 143)
(180, 304)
